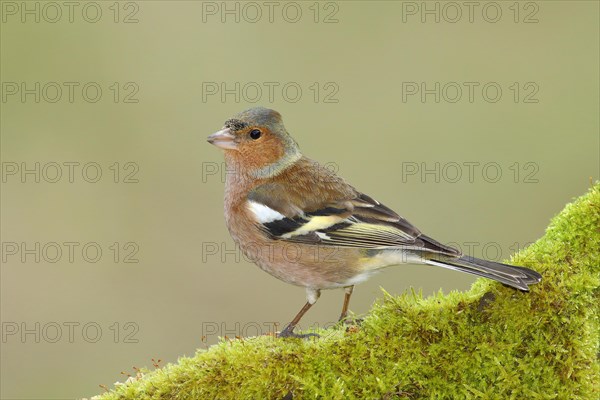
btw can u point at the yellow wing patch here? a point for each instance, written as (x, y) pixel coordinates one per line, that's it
(315, 224)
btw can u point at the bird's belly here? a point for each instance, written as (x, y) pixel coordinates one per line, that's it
(318, 267)
(307, 265)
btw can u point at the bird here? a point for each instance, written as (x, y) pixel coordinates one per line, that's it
(305, 225)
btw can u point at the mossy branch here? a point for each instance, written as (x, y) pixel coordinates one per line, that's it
(491, 342)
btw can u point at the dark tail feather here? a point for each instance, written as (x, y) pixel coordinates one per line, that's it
(517, 277)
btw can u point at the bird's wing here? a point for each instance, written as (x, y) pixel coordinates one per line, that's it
(359, 222)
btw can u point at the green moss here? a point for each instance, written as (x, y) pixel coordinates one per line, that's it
(491, 342)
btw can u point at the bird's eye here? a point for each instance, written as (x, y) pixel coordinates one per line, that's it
(255, 134)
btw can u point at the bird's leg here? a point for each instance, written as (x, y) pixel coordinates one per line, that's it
(289, 329)
(347, 293)
(312, 295)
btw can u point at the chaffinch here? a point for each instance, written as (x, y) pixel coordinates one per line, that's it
(305, 225)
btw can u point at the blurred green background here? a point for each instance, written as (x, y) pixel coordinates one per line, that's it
(160, 68)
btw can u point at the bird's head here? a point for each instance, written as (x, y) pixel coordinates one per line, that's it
(256, 140)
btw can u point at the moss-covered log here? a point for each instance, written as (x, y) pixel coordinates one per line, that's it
(491, 342)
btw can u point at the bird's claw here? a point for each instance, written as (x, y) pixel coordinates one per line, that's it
(290, 333)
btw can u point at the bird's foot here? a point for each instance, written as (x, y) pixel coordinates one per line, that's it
(289, 332)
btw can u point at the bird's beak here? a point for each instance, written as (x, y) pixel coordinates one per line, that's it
(223, 139)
